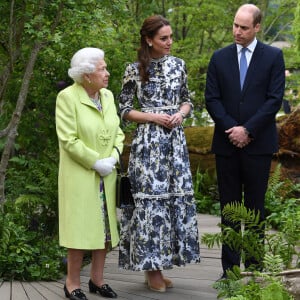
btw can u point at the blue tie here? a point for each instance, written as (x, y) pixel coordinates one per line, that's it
(243, 66)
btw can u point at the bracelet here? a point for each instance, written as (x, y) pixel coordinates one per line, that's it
(183, 115)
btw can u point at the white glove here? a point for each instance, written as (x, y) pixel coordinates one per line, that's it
(105, 166)
(109, 160)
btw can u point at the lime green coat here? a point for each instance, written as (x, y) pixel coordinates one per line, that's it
(85, 135)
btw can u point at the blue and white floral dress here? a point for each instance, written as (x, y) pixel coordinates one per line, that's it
(162, 229)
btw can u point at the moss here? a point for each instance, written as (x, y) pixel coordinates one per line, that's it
(198, 142)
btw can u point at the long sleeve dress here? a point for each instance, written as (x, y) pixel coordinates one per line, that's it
(161, 231)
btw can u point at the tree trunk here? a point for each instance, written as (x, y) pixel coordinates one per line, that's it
(15, 119)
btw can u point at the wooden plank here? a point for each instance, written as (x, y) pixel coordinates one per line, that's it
(194, 281)
(181, 291)
(47, 291)
(5, 290)
(32, 292)
(191, 282)
(17, 291)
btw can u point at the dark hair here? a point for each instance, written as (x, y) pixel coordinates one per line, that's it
(149, 29)
(257, 16)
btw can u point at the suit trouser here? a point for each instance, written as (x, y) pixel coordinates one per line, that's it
(242, 176)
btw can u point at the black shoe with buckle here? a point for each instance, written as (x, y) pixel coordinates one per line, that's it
(76, 294)
(222, 277)
(104, 290)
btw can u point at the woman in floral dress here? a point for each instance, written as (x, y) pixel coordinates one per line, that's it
(161, 231)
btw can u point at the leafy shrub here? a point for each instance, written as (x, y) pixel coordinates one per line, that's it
(27, 253)
(29, 248)
(259, 287)
(206, 193)
(279, 200)
(279, 252)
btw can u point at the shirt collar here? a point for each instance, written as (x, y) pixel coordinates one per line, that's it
(250, 47)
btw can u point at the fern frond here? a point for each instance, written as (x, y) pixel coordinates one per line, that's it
(252, 245)
(211, 239)
(237, 212)
(232, 238)
(275, 177)
(272, 263)
(230, 286)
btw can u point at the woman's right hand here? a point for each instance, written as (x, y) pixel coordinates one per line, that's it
(105, 166)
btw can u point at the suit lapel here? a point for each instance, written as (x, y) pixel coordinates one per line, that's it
(254, 64)
(234, 65)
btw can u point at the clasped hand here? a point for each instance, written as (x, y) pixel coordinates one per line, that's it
(105, 166)
(169, 121)
(238, 136)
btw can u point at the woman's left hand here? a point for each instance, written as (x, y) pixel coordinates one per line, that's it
(176, 120)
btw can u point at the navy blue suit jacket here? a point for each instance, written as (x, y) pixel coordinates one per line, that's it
(254, 107)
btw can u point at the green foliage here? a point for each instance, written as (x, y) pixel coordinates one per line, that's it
(28, 222)
(29, 248)
(296, 27)
(279, 252)
(273, 263)
(280, 247)
(278, 20)
(259, 287)
(199, 29)
(280, 203)
(283, 213)
(236, 212)
(276, 188)
(27, 251)
(32, 185)
(285, 242)
(212, 239)
(206, 193)
(246, 241)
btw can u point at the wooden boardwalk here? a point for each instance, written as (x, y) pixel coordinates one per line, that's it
(190, 283)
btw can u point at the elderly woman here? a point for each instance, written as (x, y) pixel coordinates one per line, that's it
(88, 129)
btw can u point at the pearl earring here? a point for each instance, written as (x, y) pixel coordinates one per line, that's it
(150, 45)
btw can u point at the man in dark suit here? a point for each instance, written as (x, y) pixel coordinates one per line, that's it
(243, 108)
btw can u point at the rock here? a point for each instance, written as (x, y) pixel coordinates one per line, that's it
(291, 280)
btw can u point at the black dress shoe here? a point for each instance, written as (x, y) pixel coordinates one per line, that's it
(222, 277)
(76, 294)
(104, 290)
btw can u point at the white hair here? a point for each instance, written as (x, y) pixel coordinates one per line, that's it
(84, 62)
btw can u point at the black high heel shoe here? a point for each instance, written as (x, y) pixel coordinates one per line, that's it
(76, 294)
(104, 290)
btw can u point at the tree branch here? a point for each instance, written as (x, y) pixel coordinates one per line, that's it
(13, 126)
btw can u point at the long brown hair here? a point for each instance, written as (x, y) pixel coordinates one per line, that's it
(149, 29)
